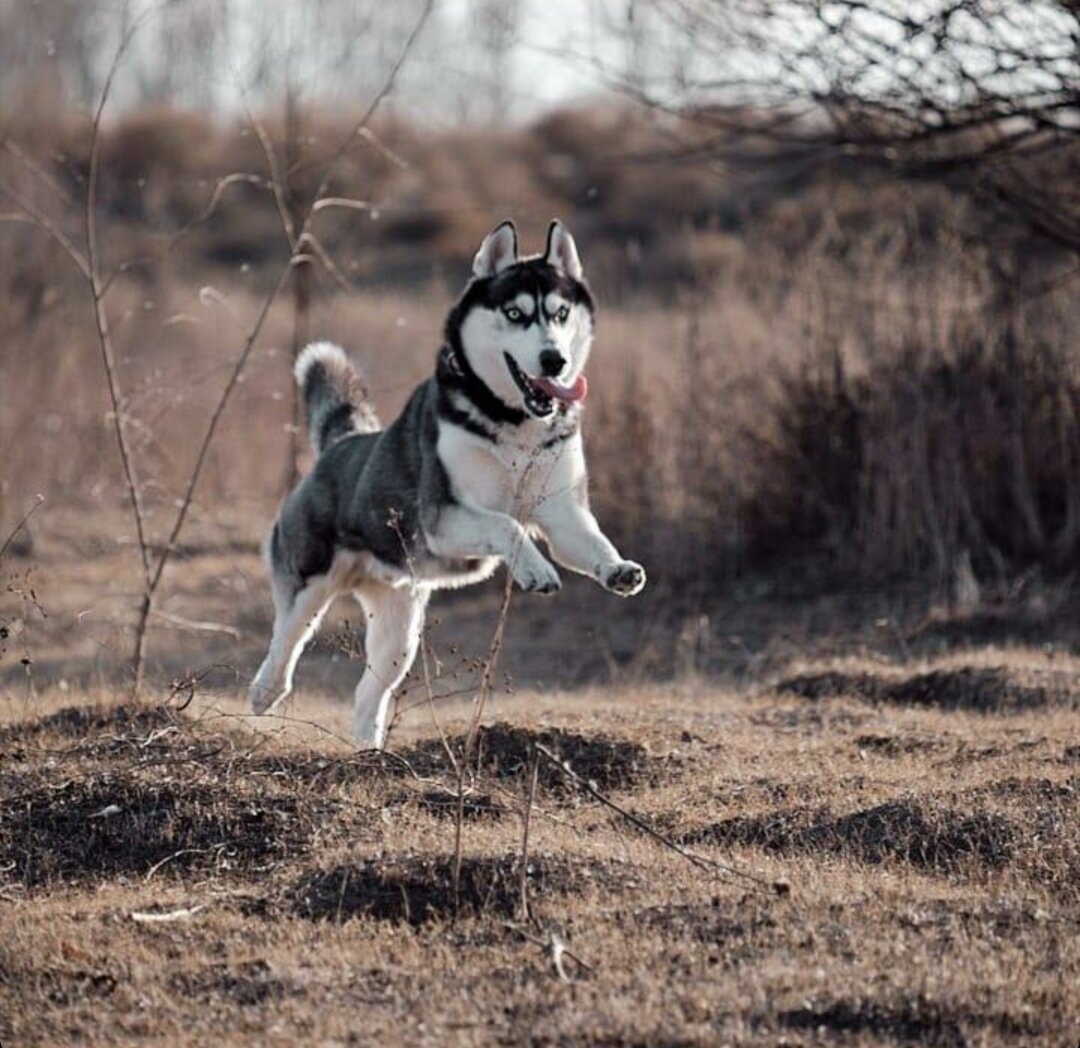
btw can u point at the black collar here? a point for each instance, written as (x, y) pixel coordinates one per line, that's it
(453, 371)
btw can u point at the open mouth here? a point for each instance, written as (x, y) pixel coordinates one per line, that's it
(541, 393)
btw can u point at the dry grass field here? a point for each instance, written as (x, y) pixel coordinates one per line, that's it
(819, 781)
(805, 831)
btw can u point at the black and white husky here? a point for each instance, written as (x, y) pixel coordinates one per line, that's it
(486, 453)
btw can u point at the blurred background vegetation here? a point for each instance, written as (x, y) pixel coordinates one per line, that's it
(835, 247)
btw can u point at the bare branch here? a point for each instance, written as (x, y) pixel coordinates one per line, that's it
(38, 503)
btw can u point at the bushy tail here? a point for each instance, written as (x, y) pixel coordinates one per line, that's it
(335, 398)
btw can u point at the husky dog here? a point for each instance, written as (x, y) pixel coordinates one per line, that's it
(486, 453)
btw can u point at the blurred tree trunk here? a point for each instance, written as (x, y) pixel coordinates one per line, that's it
(302, 274)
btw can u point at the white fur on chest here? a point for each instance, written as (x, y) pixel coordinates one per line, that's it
(513, 475)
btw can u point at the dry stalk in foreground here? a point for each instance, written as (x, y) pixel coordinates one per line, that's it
(88, 264)
(781, 887)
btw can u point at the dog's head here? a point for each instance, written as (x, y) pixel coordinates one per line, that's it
(525, 325)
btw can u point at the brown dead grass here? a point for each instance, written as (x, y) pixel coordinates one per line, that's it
(932, 854)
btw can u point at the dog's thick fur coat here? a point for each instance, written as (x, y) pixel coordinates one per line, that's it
(486, 453)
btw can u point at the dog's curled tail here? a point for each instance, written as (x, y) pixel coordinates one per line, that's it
(335, 398)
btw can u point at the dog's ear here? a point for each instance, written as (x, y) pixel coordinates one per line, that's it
(499, 250)
(561, 251)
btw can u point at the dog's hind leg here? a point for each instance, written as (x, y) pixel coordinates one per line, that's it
(297, 616)
(395, 621)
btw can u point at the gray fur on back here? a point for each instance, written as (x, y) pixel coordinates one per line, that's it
(368, 491)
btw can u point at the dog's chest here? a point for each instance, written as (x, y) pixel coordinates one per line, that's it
(509, 476)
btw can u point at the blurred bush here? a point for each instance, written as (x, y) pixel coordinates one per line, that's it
(876, 375)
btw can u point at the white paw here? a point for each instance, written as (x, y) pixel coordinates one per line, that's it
(536, 575)
(263, 697)
(367, 737)
(625, 578)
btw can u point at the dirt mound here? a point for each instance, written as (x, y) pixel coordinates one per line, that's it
(119, 823)
(67, 986)
(245, 984)
(967, 688)
(474, 805)
(1045, 816)
(78, 722)
(739, 927)
(920, 1024)
(417, 890)
(897, 745)
(504, 751)
(938, 840)
(1034, 794)
(918, 1021)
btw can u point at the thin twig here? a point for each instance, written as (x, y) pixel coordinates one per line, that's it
(469, 746)
(700, 862)
(294, 259)
(36, 217)
(196, 627)
(101, 322)
(533, 776)
(88, 265)
(556, 947)
(38, 503)
(360, 126)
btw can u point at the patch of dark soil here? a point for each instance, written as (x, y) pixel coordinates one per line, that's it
(921, 1024)
(504, 751)
(620, 1040)
(417, 890)
(119, 824)
(980, 689)
(1035, 793)
(897, 745)
(910, 1022)
(739, 928)
(830, 684)
(78, 722)
(68, 986)
(1046, 818)
(809, 718)
(474, 805)
(939, 840)
(1019, 922)
(321, 770)
(246, 984)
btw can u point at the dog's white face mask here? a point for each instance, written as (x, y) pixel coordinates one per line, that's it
(528, 333)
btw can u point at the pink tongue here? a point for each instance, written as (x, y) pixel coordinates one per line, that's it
(578, 391)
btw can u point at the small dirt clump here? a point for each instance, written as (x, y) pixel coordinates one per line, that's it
(938, 840)
(417, 890)
(967, 688)
(505, 752)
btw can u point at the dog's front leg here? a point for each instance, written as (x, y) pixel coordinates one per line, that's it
(578, 543)
(463, 531)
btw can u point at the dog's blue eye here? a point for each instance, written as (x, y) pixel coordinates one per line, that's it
(563, 315)
(513, 313)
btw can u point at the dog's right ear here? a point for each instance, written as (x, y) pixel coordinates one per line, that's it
(499, 250)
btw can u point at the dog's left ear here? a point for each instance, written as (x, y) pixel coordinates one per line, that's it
(499, 250)
(561, 251)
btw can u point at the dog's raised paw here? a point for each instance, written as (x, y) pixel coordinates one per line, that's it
(625, 579)
(262, 697)
(541, 579)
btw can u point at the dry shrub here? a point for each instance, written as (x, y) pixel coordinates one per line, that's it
(928, 456)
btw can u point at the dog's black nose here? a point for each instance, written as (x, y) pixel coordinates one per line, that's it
(552, 362)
